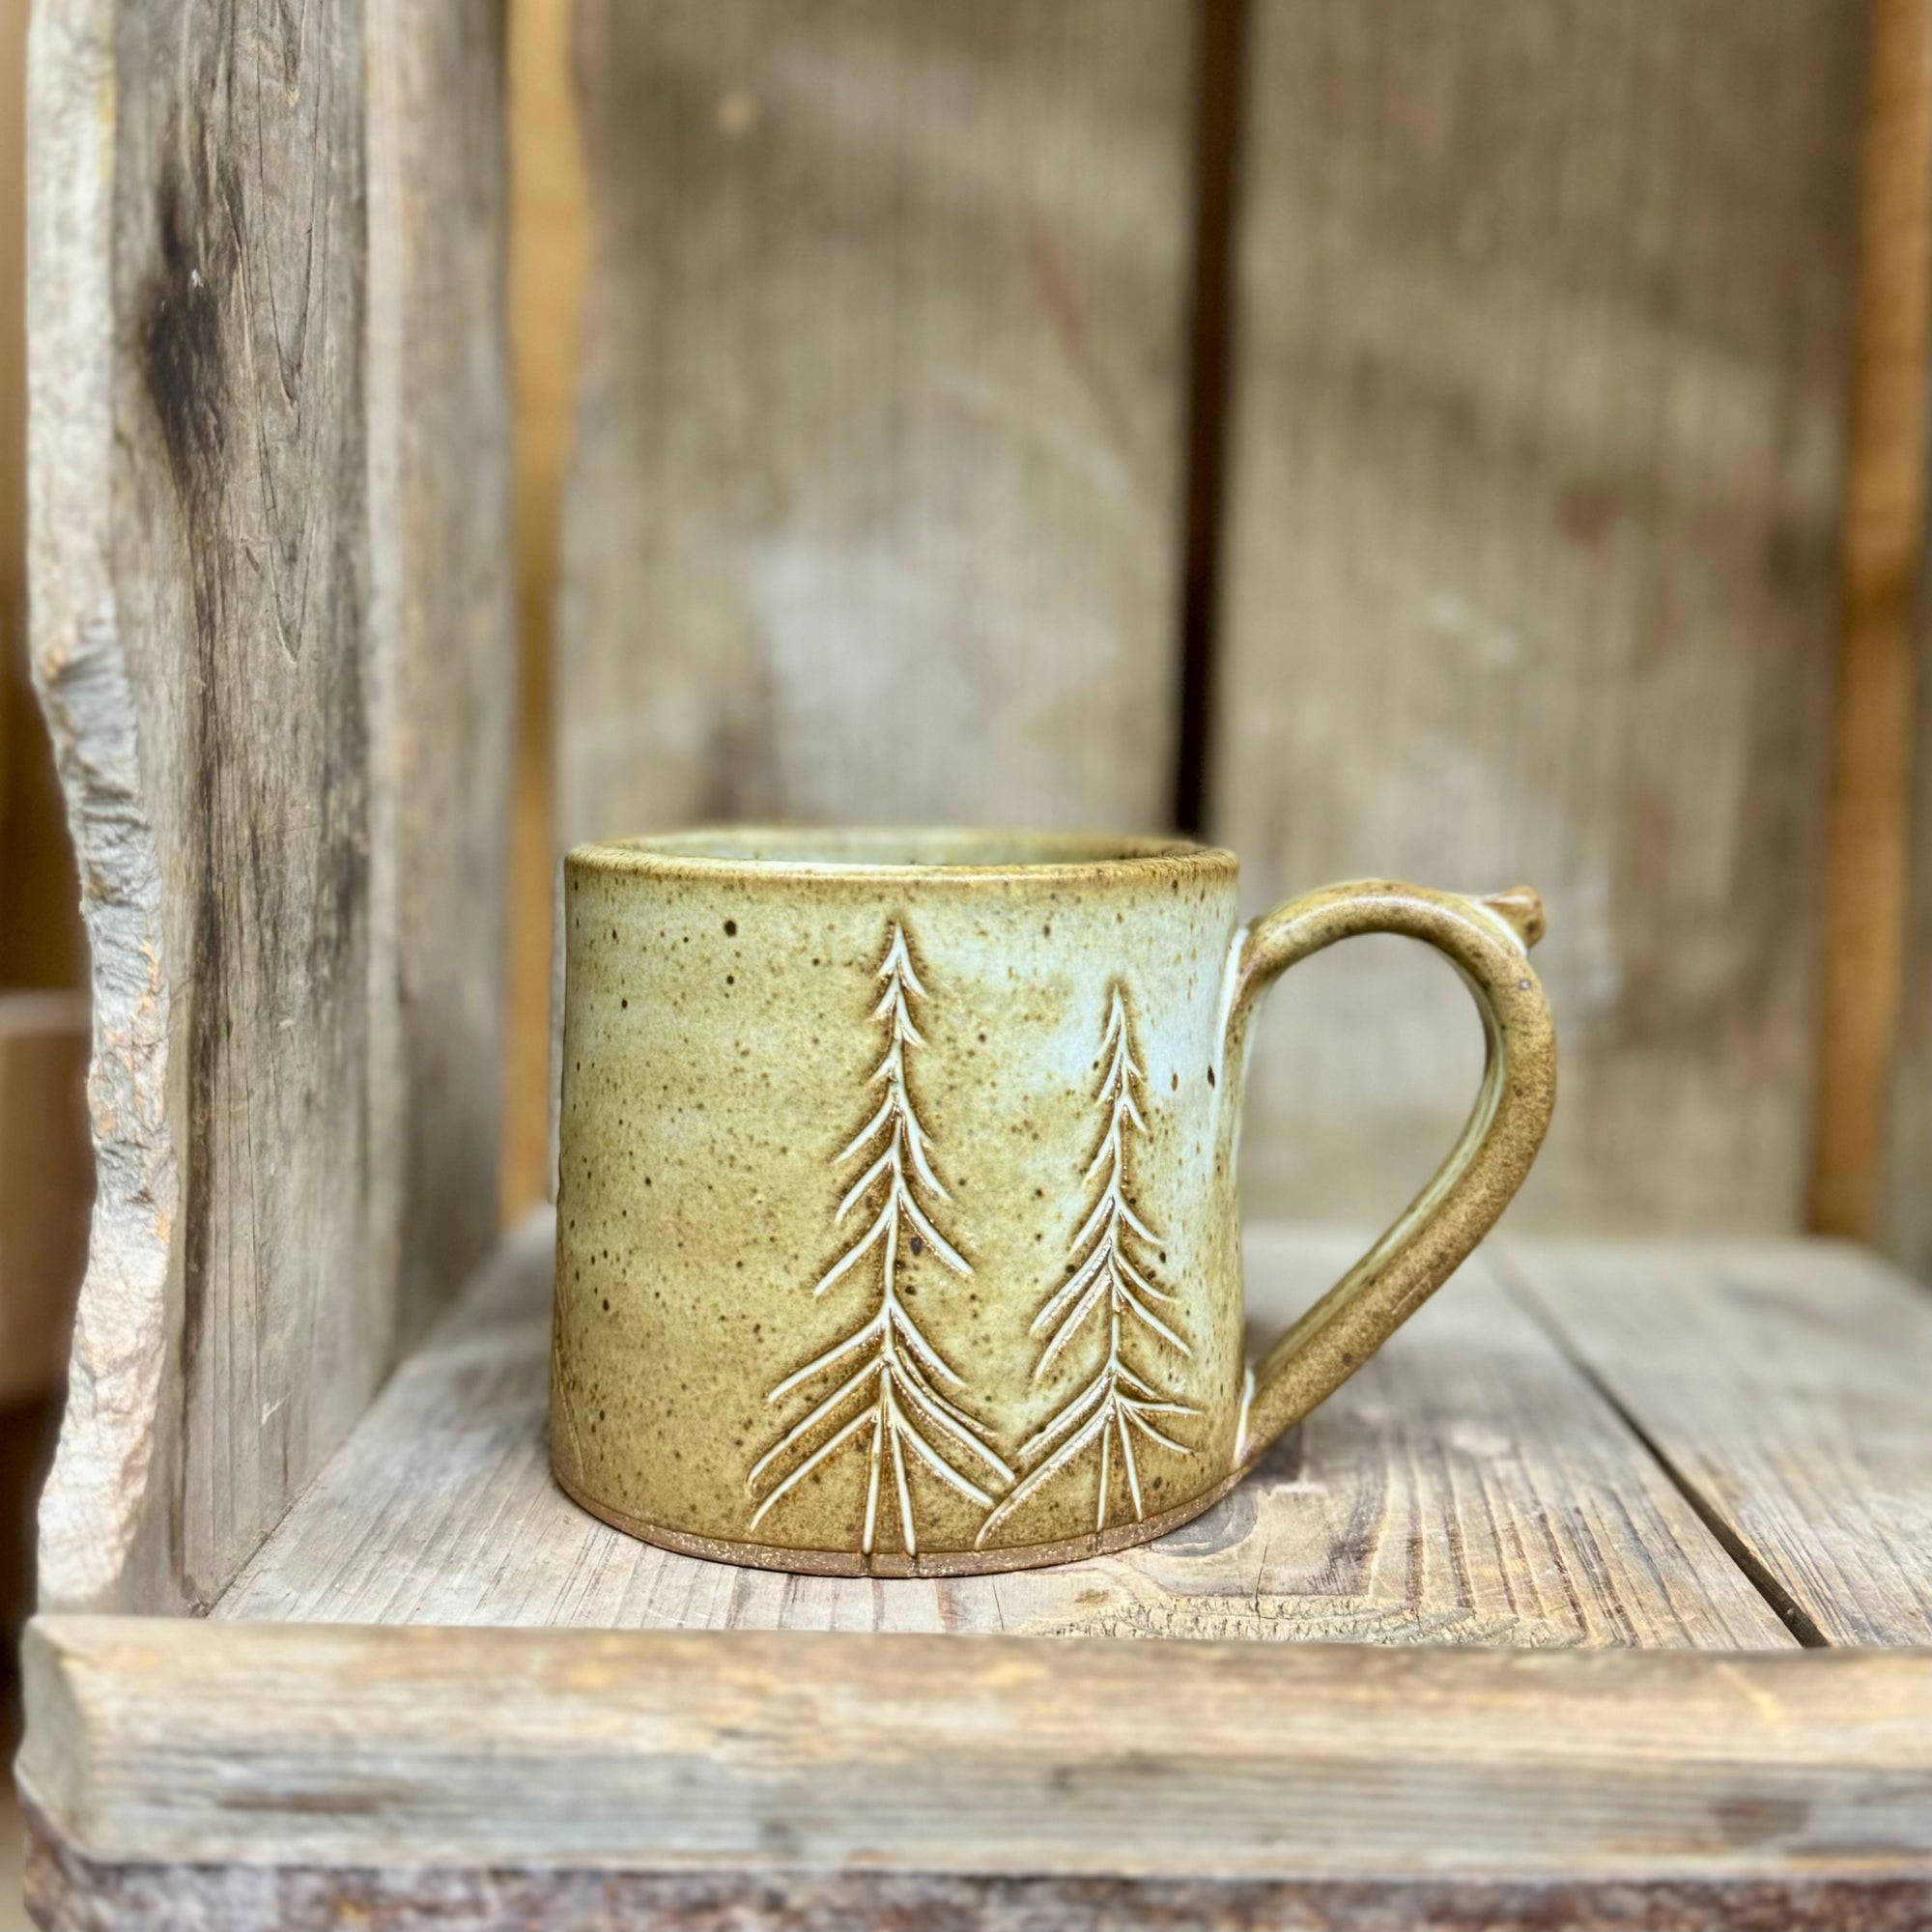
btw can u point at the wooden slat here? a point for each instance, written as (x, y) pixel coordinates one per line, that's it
(549, 259)
(1789, 1385)
(267, 487)
(439, 519)
(1466, 1488)
(1537, 424)
(1881, 628)
(155, 1742)
(876, 510)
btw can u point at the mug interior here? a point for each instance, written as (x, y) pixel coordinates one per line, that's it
(895, 849)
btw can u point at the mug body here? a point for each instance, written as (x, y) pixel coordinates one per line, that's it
(896, 1229)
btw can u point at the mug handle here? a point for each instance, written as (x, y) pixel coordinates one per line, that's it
(1488, 940)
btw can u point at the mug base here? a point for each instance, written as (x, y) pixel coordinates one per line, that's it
(896, 1563)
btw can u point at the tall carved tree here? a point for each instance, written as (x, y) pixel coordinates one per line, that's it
(1113, 1278)
(891, 1401)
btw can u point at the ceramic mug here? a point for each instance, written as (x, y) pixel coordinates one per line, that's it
(898, 1228)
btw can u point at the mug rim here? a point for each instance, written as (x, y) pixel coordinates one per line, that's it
(1063, 856)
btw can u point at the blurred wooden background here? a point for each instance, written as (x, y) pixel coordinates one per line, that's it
(1471, 440)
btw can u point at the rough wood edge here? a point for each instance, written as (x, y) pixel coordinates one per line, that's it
(93, 1501)
(153, 1741)
(67, 1890)
(103, 1526)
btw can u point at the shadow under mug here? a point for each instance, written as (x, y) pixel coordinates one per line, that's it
(897, 1223)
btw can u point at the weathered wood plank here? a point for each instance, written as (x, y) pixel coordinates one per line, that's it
(439, 518)
(269, 631)
(240, 573)
(1537, 427)
(1789, 1385)
(84, 671)
(875, 509)
(182, 1741)
(72, 1893)
(1466, 1488)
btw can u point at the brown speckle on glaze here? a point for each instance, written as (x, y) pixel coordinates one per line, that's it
(833, 1133)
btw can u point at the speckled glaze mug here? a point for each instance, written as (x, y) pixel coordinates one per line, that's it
(898, 1228)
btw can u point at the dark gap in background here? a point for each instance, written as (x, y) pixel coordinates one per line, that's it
(1222, 35)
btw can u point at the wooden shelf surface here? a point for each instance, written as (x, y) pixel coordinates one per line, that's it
(1617, 1564)
(1477, 1483)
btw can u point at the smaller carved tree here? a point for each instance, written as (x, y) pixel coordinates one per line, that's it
(893, 1399)
(1112, 1276)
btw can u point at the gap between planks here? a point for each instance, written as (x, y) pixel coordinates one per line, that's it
(1787, 1389)
(1468, 1487)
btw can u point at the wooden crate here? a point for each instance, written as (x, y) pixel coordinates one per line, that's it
(1502, 540)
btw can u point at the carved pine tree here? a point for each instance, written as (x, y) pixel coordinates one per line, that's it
(1112, 1279)
(892, 1402)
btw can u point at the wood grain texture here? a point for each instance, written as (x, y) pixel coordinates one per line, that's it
(242, 576)
(74, 1893)
(204, 1743)
(1466, 1488)
(1789, 1385)
(1542, 350)
(84, 670)
(268, 515)
(1881, 630)
(439, 519)
(875, 507)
